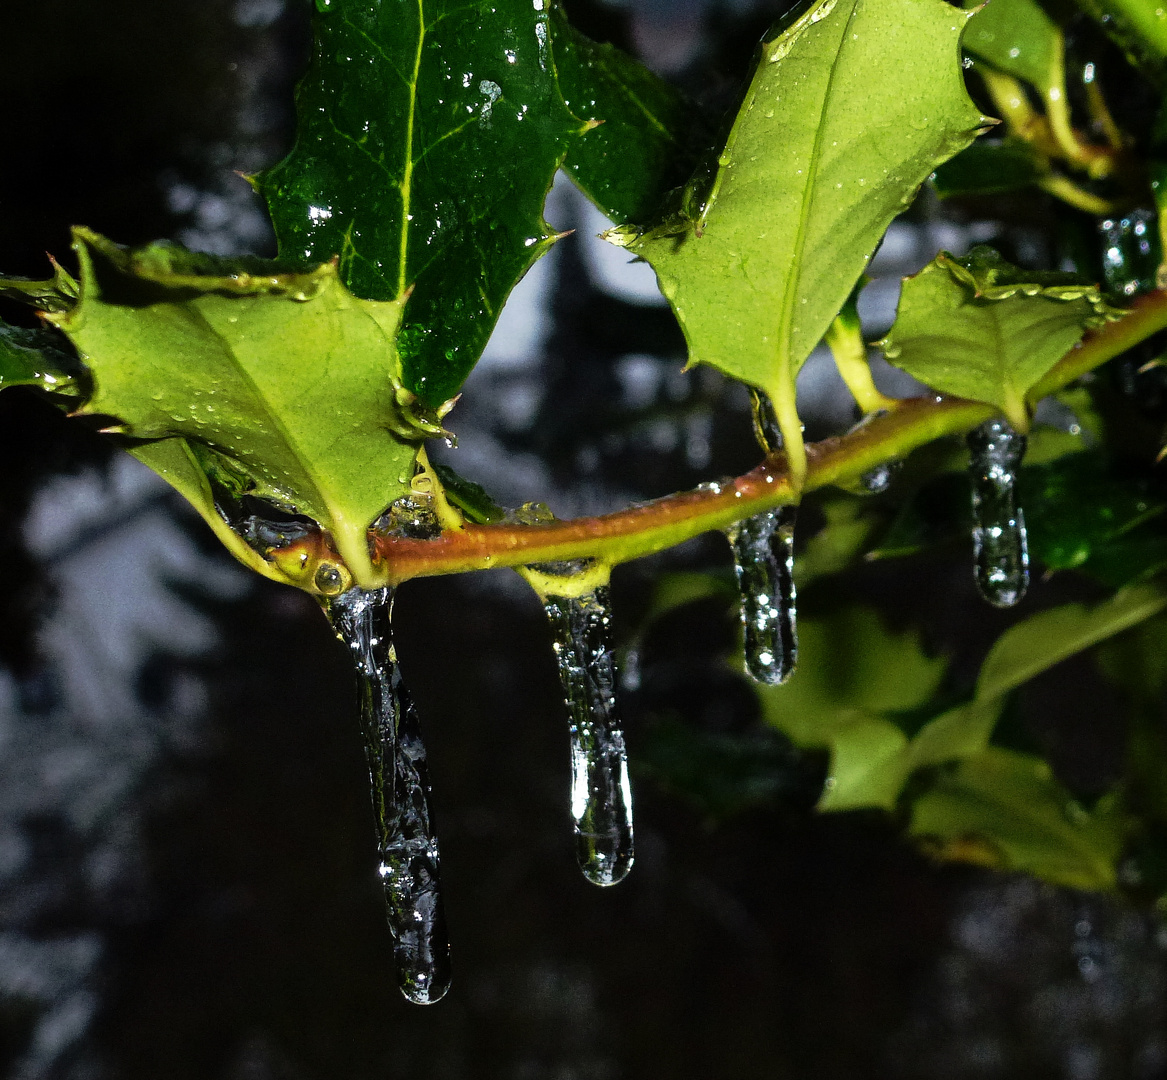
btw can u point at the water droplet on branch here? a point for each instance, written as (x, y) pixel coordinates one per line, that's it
(395, 753)
(601, 796)
(1000, 550)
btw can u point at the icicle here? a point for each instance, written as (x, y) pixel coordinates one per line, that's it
(601, 797)
(763, 563)
(1000, 550)
(395, 753)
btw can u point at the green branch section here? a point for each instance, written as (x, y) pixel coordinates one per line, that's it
(651, 527)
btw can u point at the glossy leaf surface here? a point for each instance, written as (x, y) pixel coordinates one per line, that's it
(758, 259)
(35, 358)
(282, 386)
(1018, 38)
(427, 138)
(982, 329)
(641, 129)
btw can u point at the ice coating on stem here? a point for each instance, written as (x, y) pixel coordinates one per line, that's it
(601, 796)
(406, 840)
(763, 563)
(1000, 550)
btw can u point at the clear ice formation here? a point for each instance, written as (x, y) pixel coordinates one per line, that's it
(763, 563)
(1000, 550)
(601, 796)
(406, 840)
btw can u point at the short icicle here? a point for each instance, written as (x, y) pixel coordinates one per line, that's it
(1000, 550)
(395, 753)
(763, 563)
(601, 796)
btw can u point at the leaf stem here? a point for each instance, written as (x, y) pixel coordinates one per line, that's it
(651, 527)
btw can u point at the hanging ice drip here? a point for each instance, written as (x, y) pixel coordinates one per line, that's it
(406, 840)
(1000, 550)
(763, 562)
(601, 796)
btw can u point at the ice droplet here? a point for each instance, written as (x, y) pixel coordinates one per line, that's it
(406, 840)
(601, 796)
(1000, 550)
(763, 563)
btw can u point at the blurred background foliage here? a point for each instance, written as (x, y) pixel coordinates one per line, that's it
(186, 884)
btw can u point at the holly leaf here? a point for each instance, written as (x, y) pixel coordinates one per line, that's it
(1006, 810)
(1049, 637)
(280, 385)
(757, 259)
(1138, 28)
(641, 131)
(37, 358)
(982, 329)
(1018, 38)
(854, 681)
(990, 168)
(427, 139)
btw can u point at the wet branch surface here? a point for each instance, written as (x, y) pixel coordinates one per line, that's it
(647, 528)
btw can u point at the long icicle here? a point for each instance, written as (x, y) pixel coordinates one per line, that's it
(406, 840)
(1000, 548)
(601, 796)
(763, 563)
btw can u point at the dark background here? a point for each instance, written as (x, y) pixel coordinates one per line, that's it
(214, 913)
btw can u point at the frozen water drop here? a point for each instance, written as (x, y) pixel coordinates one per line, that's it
(601, 796)
(763, 563)
(406, 841)
(1000, 549)
(330, 579)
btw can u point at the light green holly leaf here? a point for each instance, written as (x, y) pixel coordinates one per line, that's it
(1018, 38)
(1005, 810)
(1049, 637)
(281, 385)
(853, 678)
(982, 329)
(851, 108)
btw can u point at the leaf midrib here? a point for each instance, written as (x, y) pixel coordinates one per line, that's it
(406, 185)
(273, 414)
(786, 314)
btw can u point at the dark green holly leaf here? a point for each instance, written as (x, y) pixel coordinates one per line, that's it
(58, 293)
(37, 358)
(427, 139)
(990, 168)
(1081, 507)
(472, 499)
(642, 130)
(281, 386)
(982, 329)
